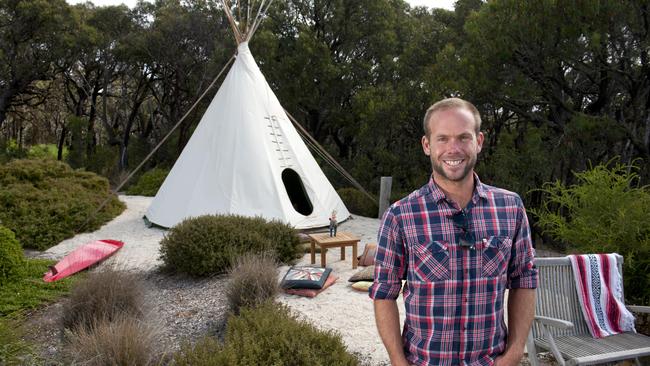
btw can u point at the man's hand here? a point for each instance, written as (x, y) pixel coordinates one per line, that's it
(508, 359)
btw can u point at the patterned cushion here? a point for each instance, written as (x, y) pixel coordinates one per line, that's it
(366, 274)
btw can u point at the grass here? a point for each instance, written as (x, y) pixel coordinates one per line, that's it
(106, 294)
(13, 350)
(119, 341)
(29, 291)
(253, 280)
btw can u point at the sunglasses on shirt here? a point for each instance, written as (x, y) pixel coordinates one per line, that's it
(465, 237)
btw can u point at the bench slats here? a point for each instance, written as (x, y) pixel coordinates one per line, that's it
(557, 298)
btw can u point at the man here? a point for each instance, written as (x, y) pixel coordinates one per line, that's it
(459, 244)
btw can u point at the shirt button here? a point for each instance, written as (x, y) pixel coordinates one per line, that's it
(465, 300)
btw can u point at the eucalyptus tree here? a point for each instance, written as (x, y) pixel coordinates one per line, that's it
(35, 39)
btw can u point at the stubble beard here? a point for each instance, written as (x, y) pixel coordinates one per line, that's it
(440, 169)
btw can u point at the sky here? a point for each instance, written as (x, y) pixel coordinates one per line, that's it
(447, 4)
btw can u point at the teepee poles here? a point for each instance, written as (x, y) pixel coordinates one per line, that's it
(244, 30)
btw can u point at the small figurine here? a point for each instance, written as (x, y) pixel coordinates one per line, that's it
(333, 224)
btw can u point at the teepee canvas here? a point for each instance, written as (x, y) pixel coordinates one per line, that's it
(246, 158)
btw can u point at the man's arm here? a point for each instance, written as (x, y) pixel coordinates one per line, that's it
(521, 311)
(387, 319)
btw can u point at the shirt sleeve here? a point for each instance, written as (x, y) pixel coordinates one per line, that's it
(390, 261)
(522, 272)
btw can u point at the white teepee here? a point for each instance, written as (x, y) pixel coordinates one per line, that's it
(246, 158)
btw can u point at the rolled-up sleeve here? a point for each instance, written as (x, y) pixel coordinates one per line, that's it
(390, 264)
(522, 272)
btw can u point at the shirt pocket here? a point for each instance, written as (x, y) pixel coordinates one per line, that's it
(495, 255)
(431, 261)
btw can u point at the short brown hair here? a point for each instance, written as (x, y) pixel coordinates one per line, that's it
(450, 103)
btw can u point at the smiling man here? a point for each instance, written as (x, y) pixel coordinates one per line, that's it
(459, 244)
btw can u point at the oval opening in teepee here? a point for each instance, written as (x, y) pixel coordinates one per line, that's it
(296, 191)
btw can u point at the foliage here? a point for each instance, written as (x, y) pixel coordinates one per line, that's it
(11, 256)
(253, 279)
(13, 350)
(29, 291)
(105, 295)
(120, 341)
(268, 335)
(208, 244)
(604, 212)
(149, 183)
(45, 151)
(357, 202)
(45, 201)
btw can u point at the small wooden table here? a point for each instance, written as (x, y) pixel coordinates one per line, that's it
(324, 241)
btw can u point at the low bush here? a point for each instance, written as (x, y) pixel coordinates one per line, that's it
(253, 279)
(45, 201)
(104, 295)
(604, 212)
(148, 183)
(11, 256)
(268, 335)
(208, 244)
(46, 151)
(13, 350)
(358, 203)
(28, 291)
(120, 341)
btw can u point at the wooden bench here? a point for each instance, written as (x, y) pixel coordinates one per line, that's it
(560, 328)
(325, 241)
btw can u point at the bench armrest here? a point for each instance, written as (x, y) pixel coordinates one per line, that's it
(554, 322)
(639, 309)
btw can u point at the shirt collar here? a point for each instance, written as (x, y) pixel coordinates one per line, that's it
(479, 190)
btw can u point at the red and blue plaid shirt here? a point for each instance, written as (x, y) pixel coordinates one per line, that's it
(457, 265)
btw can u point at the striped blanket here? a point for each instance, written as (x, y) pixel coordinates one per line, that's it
(599, 287)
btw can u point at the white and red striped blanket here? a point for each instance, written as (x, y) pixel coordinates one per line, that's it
(599, 287)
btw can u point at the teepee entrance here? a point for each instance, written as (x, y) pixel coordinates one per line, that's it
(296, 191)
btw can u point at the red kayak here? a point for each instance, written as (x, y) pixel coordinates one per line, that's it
(82, 258)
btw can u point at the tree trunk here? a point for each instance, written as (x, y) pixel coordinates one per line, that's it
(59, 154)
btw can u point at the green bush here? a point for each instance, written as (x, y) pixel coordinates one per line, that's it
(357, 202)
(46, 151)
(149, 183)
(208, 244)
(14, 350)
(104, 295)
(604, 212)
(11, 256)
(45, 201)
(29, 291)
(268, 335)
(253, 279)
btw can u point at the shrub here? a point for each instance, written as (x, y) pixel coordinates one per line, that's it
(149, 183)
(29, 291)
(253, 279)
(603, 213)
(103, 295)
(121, 341)
(358, 203)
(46, 151)
(13, 350)
(268, 335)
(11, 256)
(45, 201)
(208, 244)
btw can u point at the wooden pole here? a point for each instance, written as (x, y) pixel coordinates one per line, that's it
(384, 195)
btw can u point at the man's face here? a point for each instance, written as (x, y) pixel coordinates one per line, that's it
(452, 144)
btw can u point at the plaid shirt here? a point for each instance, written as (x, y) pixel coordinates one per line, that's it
(456, 273)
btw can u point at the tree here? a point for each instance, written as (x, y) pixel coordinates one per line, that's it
(34, 42)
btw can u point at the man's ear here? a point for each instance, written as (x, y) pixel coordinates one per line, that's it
(425, 146)
(479, 140)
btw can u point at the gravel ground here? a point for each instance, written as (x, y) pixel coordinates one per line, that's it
(186, 309)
